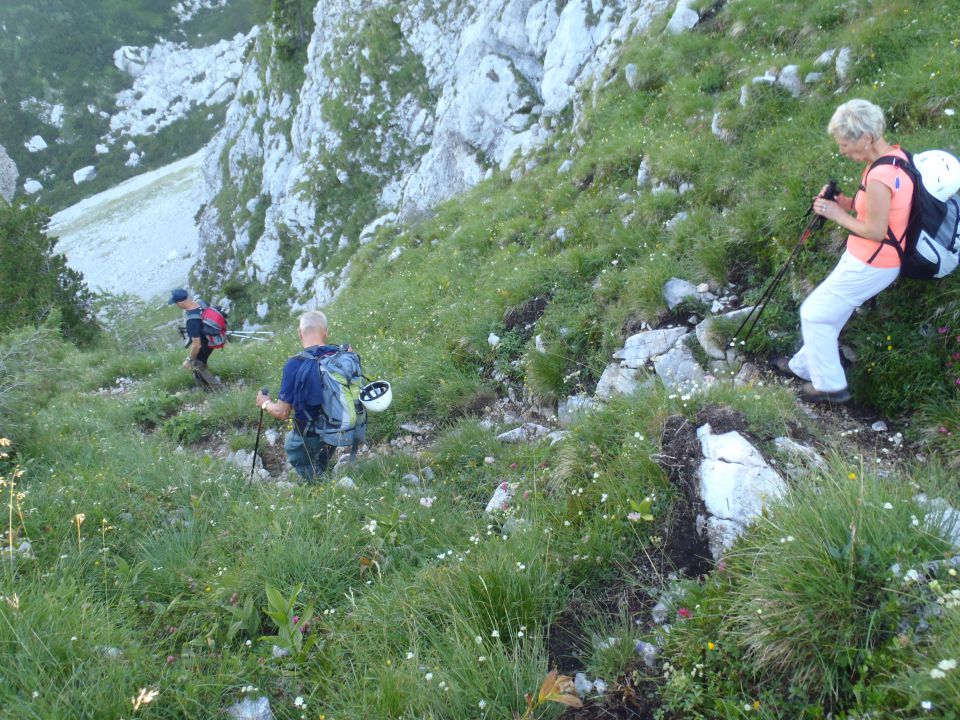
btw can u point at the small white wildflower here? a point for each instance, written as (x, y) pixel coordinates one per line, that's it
(926, 705)
(603, 497)
(937, 674)
(409, 656)
(482, 658)
(299, 702)
(947, 664)
(479, 640)
(494, 633)
(888, 506)
(914, 521)
(428, 677)
(482, 704)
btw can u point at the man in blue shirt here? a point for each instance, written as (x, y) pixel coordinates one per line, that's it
(306, 451)
(199, 350)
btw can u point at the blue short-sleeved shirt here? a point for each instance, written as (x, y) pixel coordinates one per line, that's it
(195, 324)
(289, 378)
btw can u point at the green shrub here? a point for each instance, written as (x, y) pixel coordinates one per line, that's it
(151, 410)
(188, 427)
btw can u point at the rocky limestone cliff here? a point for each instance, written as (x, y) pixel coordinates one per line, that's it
(401, 106)
(8, 176)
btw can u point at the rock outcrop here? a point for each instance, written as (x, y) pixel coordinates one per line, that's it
(403, 105)
(8, 176)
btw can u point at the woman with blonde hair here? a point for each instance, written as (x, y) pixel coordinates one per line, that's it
(880, 205)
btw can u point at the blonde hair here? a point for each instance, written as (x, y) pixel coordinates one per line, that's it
(313, 320)
(855, 118)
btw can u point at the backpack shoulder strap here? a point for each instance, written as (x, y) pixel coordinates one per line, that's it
(908, 167)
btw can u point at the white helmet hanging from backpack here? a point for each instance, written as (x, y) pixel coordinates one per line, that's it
(940, 172)
(376, 396)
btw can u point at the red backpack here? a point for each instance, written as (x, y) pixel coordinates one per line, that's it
(214, 323)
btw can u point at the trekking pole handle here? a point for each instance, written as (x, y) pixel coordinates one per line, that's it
(265, 390)
(829, 193)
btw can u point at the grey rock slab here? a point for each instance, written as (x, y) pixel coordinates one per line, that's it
(684, 18)
(676, 290)
(500, 500)
(524, 433)
(790, 80)
(8, 175)
(617, 380)
(705, 333)
(630, 73)
(249, 709)
(678, 369)
(639, 348)
(571, 408)
(735, 484)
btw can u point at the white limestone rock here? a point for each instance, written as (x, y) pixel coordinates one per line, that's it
(643, 174)
(171, 79)
(84, 174)
(630, 75)
(525, 433)
(790, 80)
(32, 187)
(844, 64)
(250, 709)
(618, 380)
(684, 18)
(35, 144)
(716, 127)
(735, 484)
(571, 408)
(500, 500)
(825, 58)
(705, 333)
(678, 369)
(676, 290)
(640, 348)
(8, 176)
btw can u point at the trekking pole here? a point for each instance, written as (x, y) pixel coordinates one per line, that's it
(256, 445)
(753, 316)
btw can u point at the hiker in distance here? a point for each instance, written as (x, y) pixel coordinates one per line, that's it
(320, 409)
(199, 343)
(868, 265)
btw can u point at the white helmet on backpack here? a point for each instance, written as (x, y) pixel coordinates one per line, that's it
(940, 172)
(376, 396)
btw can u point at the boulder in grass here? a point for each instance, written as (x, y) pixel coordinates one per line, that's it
(500, 500)
(735, 485)
(639, 348)
(676, 290)
(525, 433)
(84, 174)
(250, 709)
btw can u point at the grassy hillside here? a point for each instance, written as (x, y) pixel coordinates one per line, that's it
(154, 566)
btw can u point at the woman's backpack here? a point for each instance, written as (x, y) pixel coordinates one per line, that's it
(932, 248)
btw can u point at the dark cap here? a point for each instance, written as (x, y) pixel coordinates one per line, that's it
(178, 295)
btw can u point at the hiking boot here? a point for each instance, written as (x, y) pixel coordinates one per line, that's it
(205, 379)
(814, 395)
(781, 364)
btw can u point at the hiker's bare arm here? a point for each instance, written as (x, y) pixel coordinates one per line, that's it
(278, 408)
(192, 353)
(877, 213)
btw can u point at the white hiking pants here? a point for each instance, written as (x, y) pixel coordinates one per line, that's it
(824, 313)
